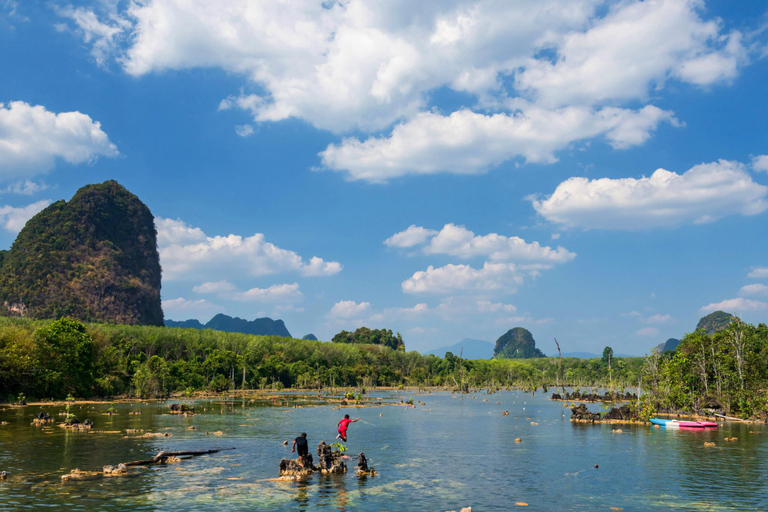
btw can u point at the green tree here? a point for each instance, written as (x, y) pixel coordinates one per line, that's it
(64, 358)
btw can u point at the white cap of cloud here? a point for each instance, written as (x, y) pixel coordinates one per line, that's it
(287, 293)
(738, 305)
(431, 143)
(214, 287)
(754, 289)
(705, 193)
(648, 331)
(32, 138)
(464, 278)
(14, 218)
(358, 65)
(758, 272)
(458, 241)
(414, 235)
(647, 41)
(186, 252)
(659, 319)
(189, 308)
(348, 309)
(760, 163)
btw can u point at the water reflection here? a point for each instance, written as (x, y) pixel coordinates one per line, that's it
(444, 455)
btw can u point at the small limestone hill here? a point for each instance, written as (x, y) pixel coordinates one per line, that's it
(93, 258)
(516, 343)
(714, 322)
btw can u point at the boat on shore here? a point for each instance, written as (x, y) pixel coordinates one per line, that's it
(683, 424)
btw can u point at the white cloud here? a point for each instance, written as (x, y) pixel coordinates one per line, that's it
(33, 138)
(458, 241)
(181, 307)
(758, 272)
(244, 130)
(760, 163)
(650, 332)
(464, 278)
(187, 252)
(344, 66)
(738, 305)
(101, 36)
(467, 142)
(276, 293)
(659, 319)
(346, 309)
(13, 218)
(705, 193)
(754, 289)
(214, 287)
(24, 188)
(647, 41)
(414, 235)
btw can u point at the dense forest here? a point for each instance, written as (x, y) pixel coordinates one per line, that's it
(46, 359)
(726, 371)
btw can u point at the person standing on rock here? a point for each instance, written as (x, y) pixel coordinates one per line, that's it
(302, 445)
(343, 425)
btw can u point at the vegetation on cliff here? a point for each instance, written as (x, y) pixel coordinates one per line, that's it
(516, 343)
(714, 322)
(366, 336)
(93, 258)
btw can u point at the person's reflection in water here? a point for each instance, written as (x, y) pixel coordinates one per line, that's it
(341, 496)
(302, 494)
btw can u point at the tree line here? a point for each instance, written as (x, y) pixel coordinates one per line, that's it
(51, 359)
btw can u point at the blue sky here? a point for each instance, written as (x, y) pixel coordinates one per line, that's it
(593, 171)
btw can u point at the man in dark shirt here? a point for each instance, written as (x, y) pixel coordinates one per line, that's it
(301, 443)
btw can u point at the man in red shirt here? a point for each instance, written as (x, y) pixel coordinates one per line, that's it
(343, 425)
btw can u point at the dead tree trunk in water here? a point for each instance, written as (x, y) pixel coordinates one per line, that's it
(562, 375)
(164, 455)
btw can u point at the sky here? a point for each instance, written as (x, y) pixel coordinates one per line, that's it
(594, 171)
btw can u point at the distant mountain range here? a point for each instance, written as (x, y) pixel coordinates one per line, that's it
(226, 323)
(473, 349)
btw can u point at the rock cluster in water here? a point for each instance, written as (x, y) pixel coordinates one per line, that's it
(328, 461)
(184, 409)
(625, 413)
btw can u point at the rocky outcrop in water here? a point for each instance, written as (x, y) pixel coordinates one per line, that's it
(328, 461)
(362, 466)
(623, 414)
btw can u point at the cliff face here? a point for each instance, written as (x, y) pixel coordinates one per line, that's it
(516, 343)
(93, 258)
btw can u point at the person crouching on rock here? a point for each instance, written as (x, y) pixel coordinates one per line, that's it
(343, 425)
(302, 445)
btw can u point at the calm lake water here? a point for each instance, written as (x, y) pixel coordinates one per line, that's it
(447, 454)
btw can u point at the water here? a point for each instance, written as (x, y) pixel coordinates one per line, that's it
(447, 454)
